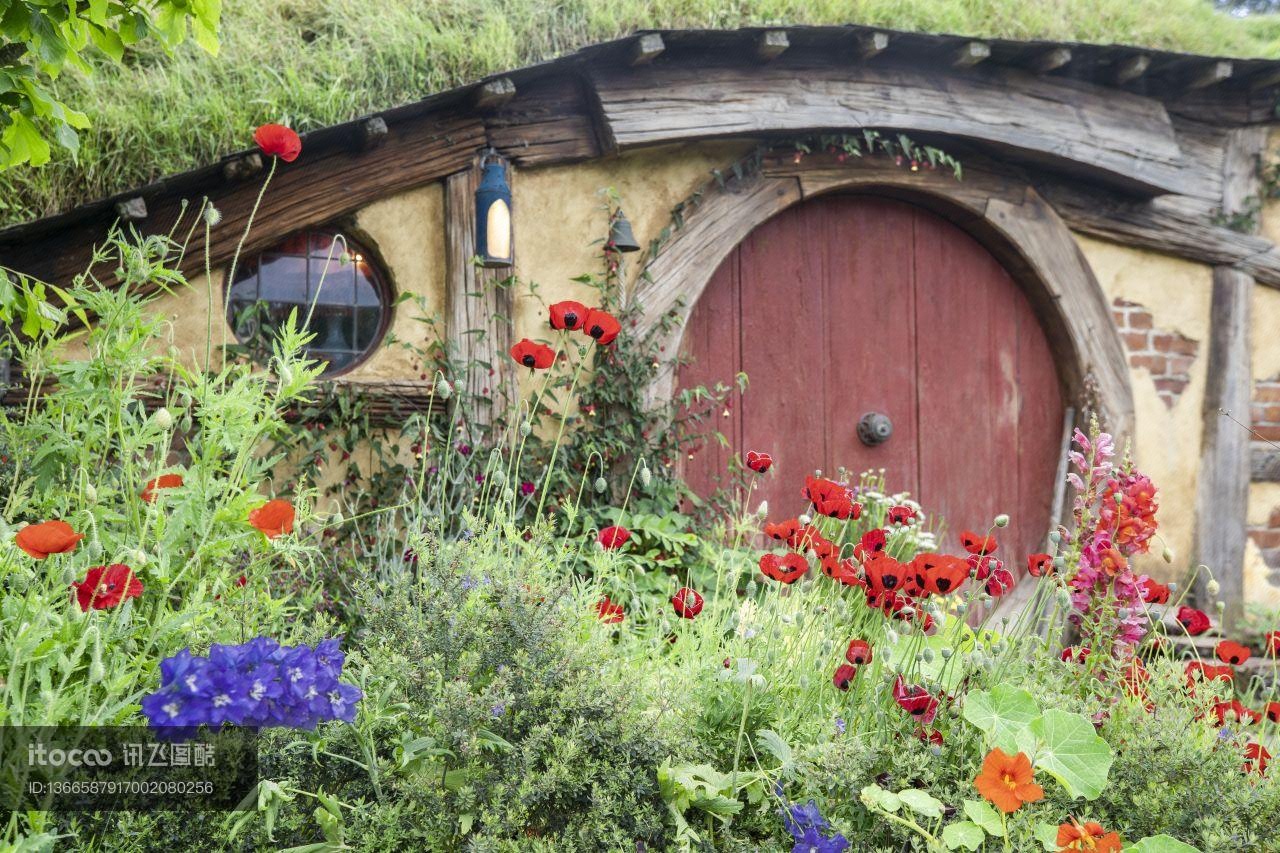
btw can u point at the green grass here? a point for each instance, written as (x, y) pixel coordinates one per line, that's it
(313, 63)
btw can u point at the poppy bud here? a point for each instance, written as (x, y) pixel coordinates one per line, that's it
(163, 419)
(752, 588)
(805, 519)
(763, 509)
(212, 216)
(946, 653)
(458, 387)
(891, 635)
(443, 389)
(90, 493)
(1167, 554)
(1173, 586)
(525, 428)
(1212, 587)
(645, 477)
(1219, 606)
(601, 484)
(1055, 537)
(1002, 520)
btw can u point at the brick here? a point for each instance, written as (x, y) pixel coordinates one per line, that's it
(1266, 392)
(1124, 303)
(1274, 520)
(1267, 433)
(1121, 318)
(1171, 385)
(1265, 538)
(1157, 364)
(1141, 320)
(1180, 365)
(1175, 343)
(1136, 341)
(1268, 414)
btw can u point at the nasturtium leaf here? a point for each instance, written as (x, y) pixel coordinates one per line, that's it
(874, 795)
(1067, 747)
(1047, 835)
(1161, 844)
(922, 803)
(982, 813)
(1002, 713)
(966, 834)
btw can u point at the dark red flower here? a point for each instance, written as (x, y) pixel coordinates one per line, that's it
(1074, 653)
(884, 573)
(844, 676)
(276, 140)
(1153, 592)
(687, 603)
(759, 462)
(1199, 670)
(929, 736)
(105, 587)
(872, 542)
(614, 536)
(821, 547)
(1272, 711)
(608, 612)
(1039, 565)
(1000, 582)
(164, 481)
(1194, 622)
(975, 544)
(1231, 652)
(533, 355)
(274, 518)
(788, 568)
(845, 571)
(900, 515)
(1272, 640)
(940, 574)
(1256, 758)
(783, 531)
(858, 653)
(915, 700)
(49, 537)
(983, 566)
(568, 315)
(830, 498)
(601, 325)
(1234, 711)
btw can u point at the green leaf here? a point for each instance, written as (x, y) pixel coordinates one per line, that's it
(966, 834)
(873, 796)
(1069, 751)
(21, 143)
(773, 744)
(982, 813)
(921, 802)
(1002, 714)
(1047, 835)
(1160, 844)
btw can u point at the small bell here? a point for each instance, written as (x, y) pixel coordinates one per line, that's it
(621, 238)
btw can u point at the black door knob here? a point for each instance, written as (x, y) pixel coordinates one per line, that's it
(874, 428)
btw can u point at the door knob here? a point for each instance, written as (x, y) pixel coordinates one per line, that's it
(874, 428)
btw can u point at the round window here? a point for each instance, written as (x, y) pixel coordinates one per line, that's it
(343, 293)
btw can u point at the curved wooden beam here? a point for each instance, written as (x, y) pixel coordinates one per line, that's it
(1006, 215)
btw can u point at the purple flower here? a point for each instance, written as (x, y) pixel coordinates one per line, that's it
(527, 488)
(464, 449)
(808, 828)
(840, 726)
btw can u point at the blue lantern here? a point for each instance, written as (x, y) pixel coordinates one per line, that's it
(494, 243)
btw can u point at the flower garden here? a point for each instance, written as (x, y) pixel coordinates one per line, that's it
(507, 638)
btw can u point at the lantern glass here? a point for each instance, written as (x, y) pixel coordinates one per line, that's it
(498, 230)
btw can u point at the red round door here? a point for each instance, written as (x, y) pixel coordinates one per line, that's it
(850, 306)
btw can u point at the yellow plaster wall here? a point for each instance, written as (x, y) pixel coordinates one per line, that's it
(1167, 441)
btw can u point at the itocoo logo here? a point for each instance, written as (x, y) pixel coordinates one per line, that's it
(40, 755)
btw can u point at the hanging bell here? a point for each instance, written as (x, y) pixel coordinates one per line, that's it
(621, 237)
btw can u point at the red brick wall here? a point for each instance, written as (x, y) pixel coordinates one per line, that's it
(1168, 356)
(1265, 415)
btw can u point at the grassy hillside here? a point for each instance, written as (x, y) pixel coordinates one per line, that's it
(316, 62)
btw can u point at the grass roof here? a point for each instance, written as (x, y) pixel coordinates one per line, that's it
(312, 63)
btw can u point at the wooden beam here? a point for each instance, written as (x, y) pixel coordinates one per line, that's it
(1050, 60)
(970, 54)
(771, 45)
(646, 48)
(1264, 462)
(1131, 69)
(1222, 483)
(1263, 79)
(372, 133)
(493, 94)
(1210, 75)
(871, 45)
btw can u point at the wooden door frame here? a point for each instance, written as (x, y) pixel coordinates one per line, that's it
(1002, 211)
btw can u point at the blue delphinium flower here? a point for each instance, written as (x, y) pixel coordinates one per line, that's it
(258, 684)
(808, 828)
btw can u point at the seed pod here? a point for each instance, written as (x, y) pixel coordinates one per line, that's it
(1002, 520)
(645, 477)
(601, 484)
(163, 419)
(443, 389)
(1213, 587)
(212, 216)
(525, 428)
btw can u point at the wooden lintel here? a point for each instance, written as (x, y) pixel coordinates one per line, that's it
(970, 54)
(1264, 462)
(771, 45)
(871, 45)
(132, 209)
(1131, 69)
(646, 48)
(372, 133)
(493, 94)
(1050, 60)
(1210, 75)
(1264, 79)
(239, 168)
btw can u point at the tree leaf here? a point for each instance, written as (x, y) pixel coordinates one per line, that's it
(982, 813)
(921, 802)
(1002, 713)
(1161, 844)
(1047, 835)
(874, 795)
(966, 834)
(1067, 747)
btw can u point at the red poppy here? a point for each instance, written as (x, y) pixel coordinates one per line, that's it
(1194, 622)
(929, 736)
(858, 653)
(601, 325)
(1234, 711)
(1199, 670)
(49, 537)
(1079, 837)
(274, 518)
(1000, 582)
(982, 567)
(783, 531)
(164, 481)
(687, 603)
(872, 542)
(844, 676)
(613, 537)
(788, 568)
(1153, 592)
(533, 355)
(276, 140)
(608, 612)
(1271, 711)
(975, 544)
(568, 315)
(844, 571)
(830, 498)
(940, 574)
(1075, 653)
(1039, 565)
(1231, 652)
(820, 546)
(1008, 781)
(1272, 640)
(105, 587)
(900, 515)
(759, 462)
(884, 573)
(915, 700)
(1256, 759)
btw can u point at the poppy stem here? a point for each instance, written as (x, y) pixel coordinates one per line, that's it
(231, 269)
(742, 728)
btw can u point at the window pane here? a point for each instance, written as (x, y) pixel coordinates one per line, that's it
(284, 279)
(332, 328)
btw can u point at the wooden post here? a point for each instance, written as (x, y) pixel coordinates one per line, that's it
(1222, 493)
(479, 310)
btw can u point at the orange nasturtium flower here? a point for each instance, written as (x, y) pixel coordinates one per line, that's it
(1007, 781)
(274, 518)
(1087, 837)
